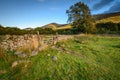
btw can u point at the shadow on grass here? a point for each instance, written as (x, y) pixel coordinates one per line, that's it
(116, 46)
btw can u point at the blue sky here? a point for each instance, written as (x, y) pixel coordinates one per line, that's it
(36, 13)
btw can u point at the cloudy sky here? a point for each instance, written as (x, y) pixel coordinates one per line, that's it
(35, 13)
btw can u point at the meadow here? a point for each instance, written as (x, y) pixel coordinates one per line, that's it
(90, 57)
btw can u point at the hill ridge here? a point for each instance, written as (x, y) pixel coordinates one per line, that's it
(106, 15)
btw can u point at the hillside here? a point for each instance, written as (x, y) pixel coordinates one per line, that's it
(66, 26)
(56, 26)
(51, 25)
(115, 19)
(107, 15)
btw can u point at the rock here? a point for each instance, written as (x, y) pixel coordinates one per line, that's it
(48, 55)
(63, 45)
(40, 48)
(15, 37)
(25, 65)
(67, 52)
(82, 42)
(55, 58)
(4, 43)
(14, 64)
(34, 53)
(6, 47)
(18, 53)
(22, 54)
(25, 37)
(53, 47)
(7, 36)
(21, 37)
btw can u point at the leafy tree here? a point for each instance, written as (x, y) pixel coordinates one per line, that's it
(80, 18)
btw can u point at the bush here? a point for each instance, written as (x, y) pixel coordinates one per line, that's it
(108, 27)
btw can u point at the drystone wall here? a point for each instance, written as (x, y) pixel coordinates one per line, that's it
(23, 43)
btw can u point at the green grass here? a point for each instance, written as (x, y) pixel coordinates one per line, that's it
(81, 58)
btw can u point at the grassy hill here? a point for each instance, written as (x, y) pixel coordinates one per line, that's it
(51, 25)
(107, 15)
(66, 26)
(115, 19)
(56, 26)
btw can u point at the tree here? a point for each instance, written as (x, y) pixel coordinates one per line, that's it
(80, 18)
(1, 30)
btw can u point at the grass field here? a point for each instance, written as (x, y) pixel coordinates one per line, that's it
(81, 58)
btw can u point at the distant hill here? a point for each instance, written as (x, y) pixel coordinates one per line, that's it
(56, 26)
(115, 19)
(107, 15)
(51, 25)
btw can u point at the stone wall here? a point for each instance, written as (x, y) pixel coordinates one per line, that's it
(30, 43)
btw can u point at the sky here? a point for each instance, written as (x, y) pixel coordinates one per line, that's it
(36, 13)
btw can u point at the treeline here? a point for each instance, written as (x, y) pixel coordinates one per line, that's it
(100, 28)
(18, 31)
(108, 27)
(11, 31)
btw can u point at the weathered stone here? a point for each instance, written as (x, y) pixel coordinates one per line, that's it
(22, 54)
(4, 43)
(40, 48)
(15, 37)
(48, 55)
(18, 53)
(82, 42)
(55, 58)
(6, 47)
(53, 47)
(7, 36)
(25, 65)
(34, 53)
(21, 37)
(14, 64)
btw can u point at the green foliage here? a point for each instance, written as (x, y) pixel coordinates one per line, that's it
(80, 17)
(12, 31)
(17, 31)
(108, 27)
(45, 30)
(65, 31)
